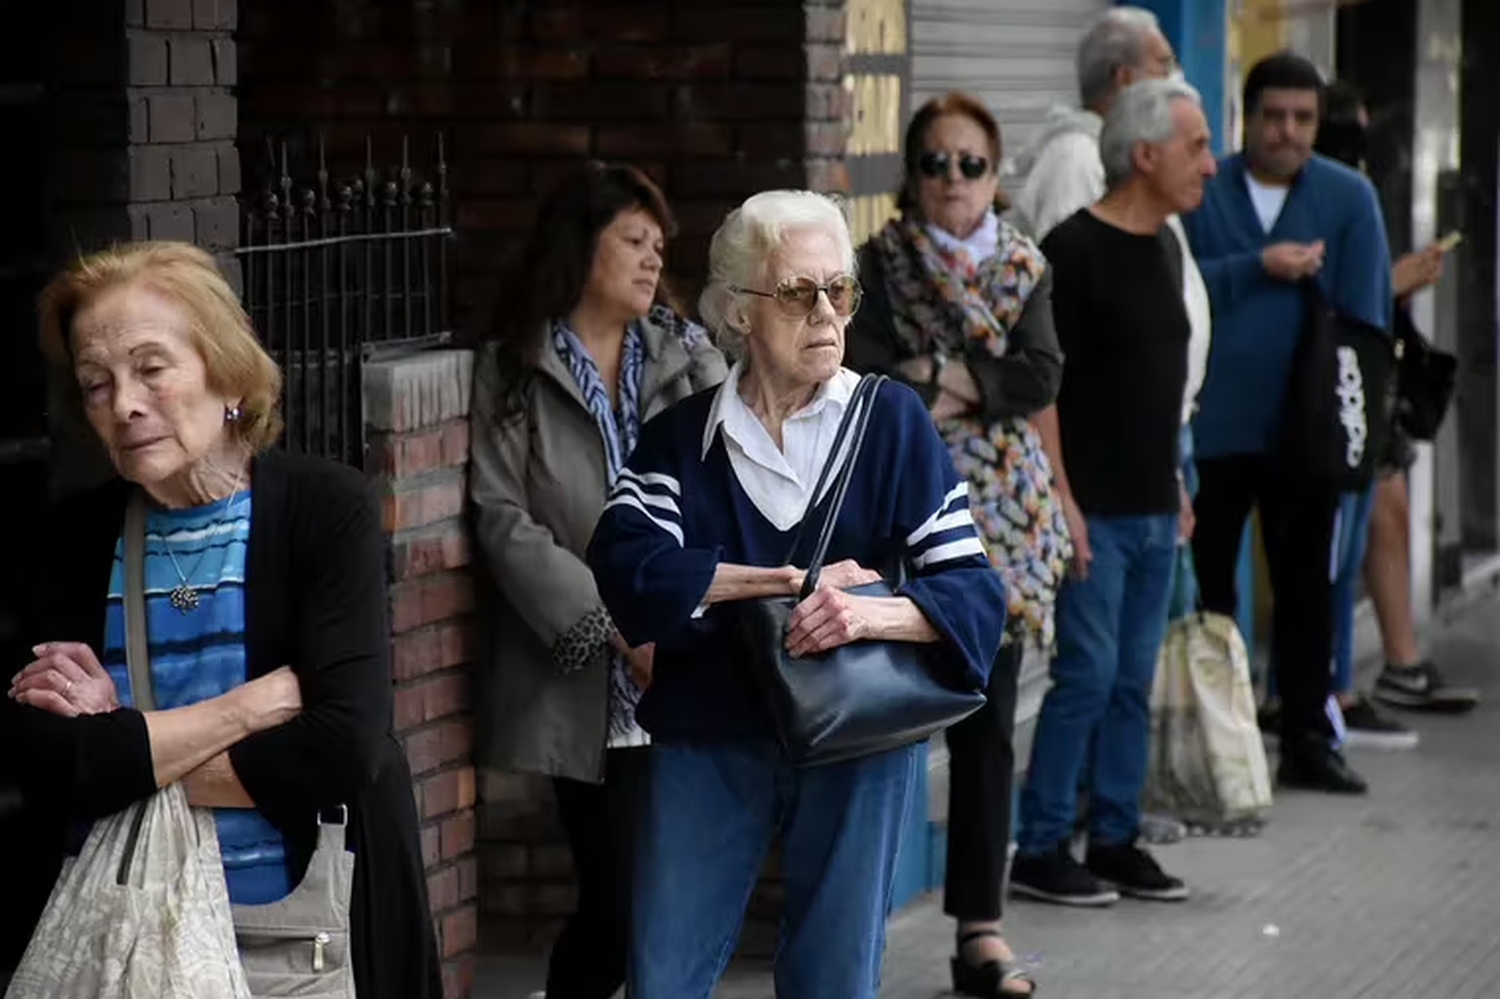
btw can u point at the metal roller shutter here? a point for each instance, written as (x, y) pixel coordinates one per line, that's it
(1016, 55)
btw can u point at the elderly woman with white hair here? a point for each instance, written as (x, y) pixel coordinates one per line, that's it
(704, 517)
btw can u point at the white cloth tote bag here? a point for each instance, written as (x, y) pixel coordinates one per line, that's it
(141, 911)
(1207, 764)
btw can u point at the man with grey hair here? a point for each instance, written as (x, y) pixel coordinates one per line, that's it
(1124, 44)
(1123, 326)
(1064, 171)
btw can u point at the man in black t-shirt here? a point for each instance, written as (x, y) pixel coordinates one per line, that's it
(1118, 301)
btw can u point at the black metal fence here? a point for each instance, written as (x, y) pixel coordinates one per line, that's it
(337, 274)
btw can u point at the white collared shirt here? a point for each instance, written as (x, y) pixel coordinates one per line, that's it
(779, 481)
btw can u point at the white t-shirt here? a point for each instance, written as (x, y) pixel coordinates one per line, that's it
(1268, 200)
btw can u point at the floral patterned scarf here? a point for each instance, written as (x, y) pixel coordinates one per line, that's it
(941, 298)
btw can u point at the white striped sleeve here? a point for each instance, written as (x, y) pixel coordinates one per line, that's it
(947, 535)
(666, 519)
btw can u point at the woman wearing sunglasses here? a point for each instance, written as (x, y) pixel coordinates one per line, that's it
(959, 306)
(706, 514)
(585, 350)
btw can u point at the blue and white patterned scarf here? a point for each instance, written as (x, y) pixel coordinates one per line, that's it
(619, 429)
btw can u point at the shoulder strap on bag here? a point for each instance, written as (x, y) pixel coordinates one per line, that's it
(856, 421)
(137, 662)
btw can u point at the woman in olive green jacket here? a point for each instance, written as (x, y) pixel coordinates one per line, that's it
(585, 351)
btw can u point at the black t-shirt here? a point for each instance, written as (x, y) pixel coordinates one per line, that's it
(1117, 300)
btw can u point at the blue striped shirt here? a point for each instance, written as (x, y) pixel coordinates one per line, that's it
(200, 654)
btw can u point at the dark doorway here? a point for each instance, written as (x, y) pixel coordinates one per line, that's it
(23, 269)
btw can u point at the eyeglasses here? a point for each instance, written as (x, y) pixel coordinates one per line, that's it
(935, 165)
(797, 297)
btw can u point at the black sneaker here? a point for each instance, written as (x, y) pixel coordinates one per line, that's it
(1421, 688)
(1058, 878)
(1135, 873)
(1365, 725)
(1313, 765)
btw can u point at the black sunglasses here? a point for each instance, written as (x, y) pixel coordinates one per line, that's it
(797, 297)
(935, 165)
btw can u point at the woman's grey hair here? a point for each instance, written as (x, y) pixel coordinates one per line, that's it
(743, 245)
(1114, 40)
(1142, 112)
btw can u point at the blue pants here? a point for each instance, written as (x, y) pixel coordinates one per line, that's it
(1350, 531)
(1109, 628)
(1184, 599)
(710, 812)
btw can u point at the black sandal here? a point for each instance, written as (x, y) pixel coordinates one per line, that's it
(987, 980)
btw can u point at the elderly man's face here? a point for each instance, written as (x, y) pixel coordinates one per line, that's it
(1157, 61)
(1177, 167)
(798, 352)
(145, 386)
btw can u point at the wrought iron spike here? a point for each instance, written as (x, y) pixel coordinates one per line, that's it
(369, 170)
(287, 203)
(405, 170)
(323, 200)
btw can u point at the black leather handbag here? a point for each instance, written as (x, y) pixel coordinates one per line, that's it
(1425, 378)
(858, 699)
(1339, 400)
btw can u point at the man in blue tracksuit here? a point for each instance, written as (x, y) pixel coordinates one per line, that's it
(1274, 215)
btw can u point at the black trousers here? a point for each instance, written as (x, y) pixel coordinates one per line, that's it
(588, 960)
(1297, 519)
(981, 770)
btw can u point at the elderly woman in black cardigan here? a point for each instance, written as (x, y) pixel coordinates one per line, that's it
(268, 646)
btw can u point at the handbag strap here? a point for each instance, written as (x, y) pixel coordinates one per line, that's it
(137, 662)
(853, 426)
(830, 467)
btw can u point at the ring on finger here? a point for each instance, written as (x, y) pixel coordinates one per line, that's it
(68, 689)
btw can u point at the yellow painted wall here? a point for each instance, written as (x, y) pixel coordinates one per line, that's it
(875, 27)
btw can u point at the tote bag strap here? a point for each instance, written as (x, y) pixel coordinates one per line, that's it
(856, 421)
(137, 663)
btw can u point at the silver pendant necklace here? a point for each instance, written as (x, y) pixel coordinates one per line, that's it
(184, 596)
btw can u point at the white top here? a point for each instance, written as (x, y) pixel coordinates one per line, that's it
(1268, 200)
(1200, 321)
(779, 481)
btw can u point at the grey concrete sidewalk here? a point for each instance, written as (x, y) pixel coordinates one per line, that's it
(1392, 896)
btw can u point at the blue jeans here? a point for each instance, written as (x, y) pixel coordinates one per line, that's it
(1109, 628)
(710, 811)
(1350, 532)
(1184, 598)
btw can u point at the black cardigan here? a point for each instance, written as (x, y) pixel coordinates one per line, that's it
(1021, 383)
(315, 600)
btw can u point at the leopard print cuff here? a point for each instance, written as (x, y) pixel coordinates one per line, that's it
(581, 644)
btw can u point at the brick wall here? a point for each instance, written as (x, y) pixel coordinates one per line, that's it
(416, 411)
(717, 101)
(142, 147)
